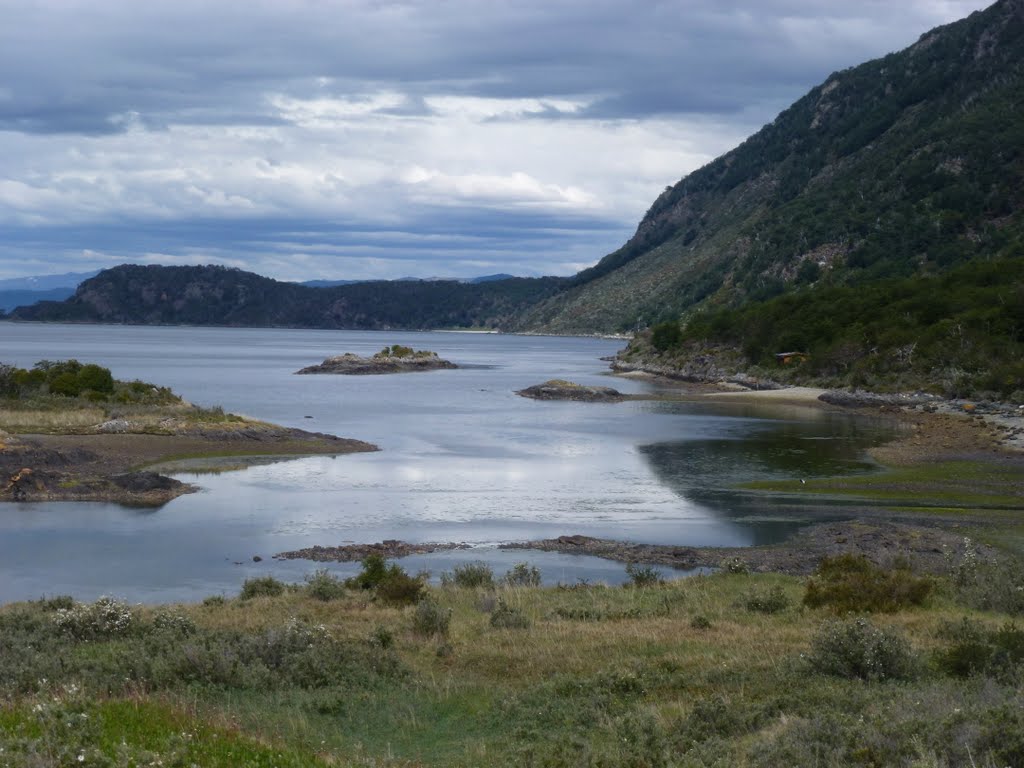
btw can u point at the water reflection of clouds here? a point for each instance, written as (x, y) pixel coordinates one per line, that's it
(463, 459)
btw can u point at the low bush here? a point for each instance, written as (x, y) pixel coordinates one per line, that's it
(382, 637)
(853, 584)
(735, 565)
(505, 616)
(989, 585)
(261, 586)
(856, 649)
(523, 575)
(390, 583)
(173, 623)
(399, 588)
(469, 576)
(643, 575)
(105, 618)
(977, 649)
(323, 585)
(700, 621)
(771, 600)
(430, 619)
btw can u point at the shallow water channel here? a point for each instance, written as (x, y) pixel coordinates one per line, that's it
(462, 459)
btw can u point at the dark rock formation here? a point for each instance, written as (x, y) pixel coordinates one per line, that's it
(557, 389)
(354, 365)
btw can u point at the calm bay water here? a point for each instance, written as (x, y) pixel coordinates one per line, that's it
(463, 459)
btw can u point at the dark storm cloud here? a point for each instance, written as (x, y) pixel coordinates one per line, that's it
(79, 66)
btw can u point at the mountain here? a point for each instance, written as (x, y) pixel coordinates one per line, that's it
(875, 227)
(20, 291)
(328, 283)
(907, 166)
(9, 299)
(46, 282)
(211, 295)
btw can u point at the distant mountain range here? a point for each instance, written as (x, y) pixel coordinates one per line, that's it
(19, 291)
(876, 225)
(471, 280)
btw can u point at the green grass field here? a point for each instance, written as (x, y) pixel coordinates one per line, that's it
(722, 670)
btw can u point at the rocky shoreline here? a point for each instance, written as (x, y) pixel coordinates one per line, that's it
(928, 548)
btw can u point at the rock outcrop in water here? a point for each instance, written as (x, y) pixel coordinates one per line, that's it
(558, 389)
(348, 553)
(394, 359)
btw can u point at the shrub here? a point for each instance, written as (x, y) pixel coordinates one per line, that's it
(989, 585)
(65, 384)
(214, 601)
(700, 621)
(772, 600)
(856, 649)
(56, 602)
(96, 378)
(852, 583)
(523, 575)
(735, 565)
(977, 649)
(174, 623)
(430, 619)
(262, 586)
(469, 576)
(107, 617)
(399, 588)
(375, 570)
(382, 637)
(666, 335)
(507, 617)
(323, 585)
(643, 575)
(390, 582)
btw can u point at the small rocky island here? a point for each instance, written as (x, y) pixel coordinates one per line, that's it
(393, 359)
(559, 389)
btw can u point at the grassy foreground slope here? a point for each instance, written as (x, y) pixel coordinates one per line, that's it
(727, 670)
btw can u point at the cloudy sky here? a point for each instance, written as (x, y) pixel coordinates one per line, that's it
(378, 139)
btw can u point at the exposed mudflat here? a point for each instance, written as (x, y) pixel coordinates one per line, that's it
(927, 548)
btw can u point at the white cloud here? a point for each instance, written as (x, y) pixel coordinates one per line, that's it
(528, 137)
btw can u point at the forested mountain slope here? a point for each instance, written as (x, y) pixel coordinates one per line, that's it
(211, 295)
(909, 165)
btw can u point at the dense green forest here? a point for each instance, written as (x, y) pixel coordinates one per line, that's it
(960, 333)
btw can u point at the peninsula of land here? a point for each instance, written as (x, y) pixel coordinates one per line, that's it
(71, 432)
